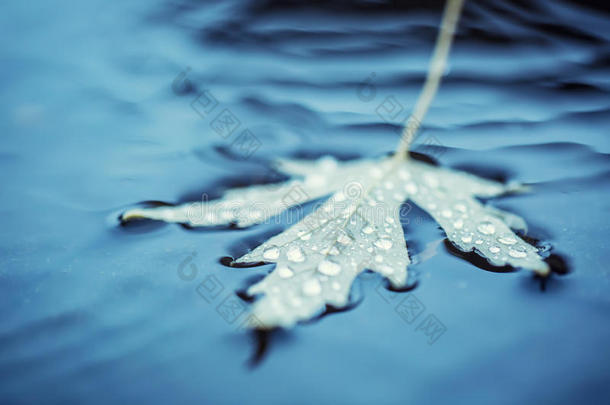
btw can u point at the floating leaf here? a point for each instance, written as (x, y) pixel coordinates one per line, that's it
(359, 226)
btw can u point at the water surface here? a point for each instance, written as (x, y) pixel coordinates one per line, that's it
(95, 117)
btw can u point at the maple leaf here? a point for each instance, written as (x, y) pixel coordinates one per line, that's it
(359, 226)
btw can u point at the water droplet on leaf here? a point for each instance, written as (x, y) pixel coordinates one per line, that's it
(312, 287)
(384, 244)
(507, 240)
(411, 188)
(329, 268)
(460, 207)
(295, 254)
(517, 252)
(284, 272)
(271, 253)
(368, 229)
(486, 228)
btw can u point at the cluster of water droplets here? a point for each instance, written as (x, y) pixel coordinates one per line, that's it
(470, 225)
(319, 258)
(357, 228)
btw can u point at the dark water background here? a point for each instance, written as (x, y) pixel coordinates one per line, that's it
(91, 124)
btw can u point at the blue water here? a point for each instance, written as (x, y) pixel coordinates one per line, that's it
(95, 117)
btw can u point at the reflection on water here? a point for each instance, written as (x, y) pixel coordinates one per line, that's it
(106, 105)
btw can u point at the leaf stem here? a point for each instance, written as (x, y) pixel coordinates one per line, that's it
(436, 69)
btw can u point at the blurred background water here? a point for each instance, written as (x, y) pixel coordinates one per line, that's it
(96, 115)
